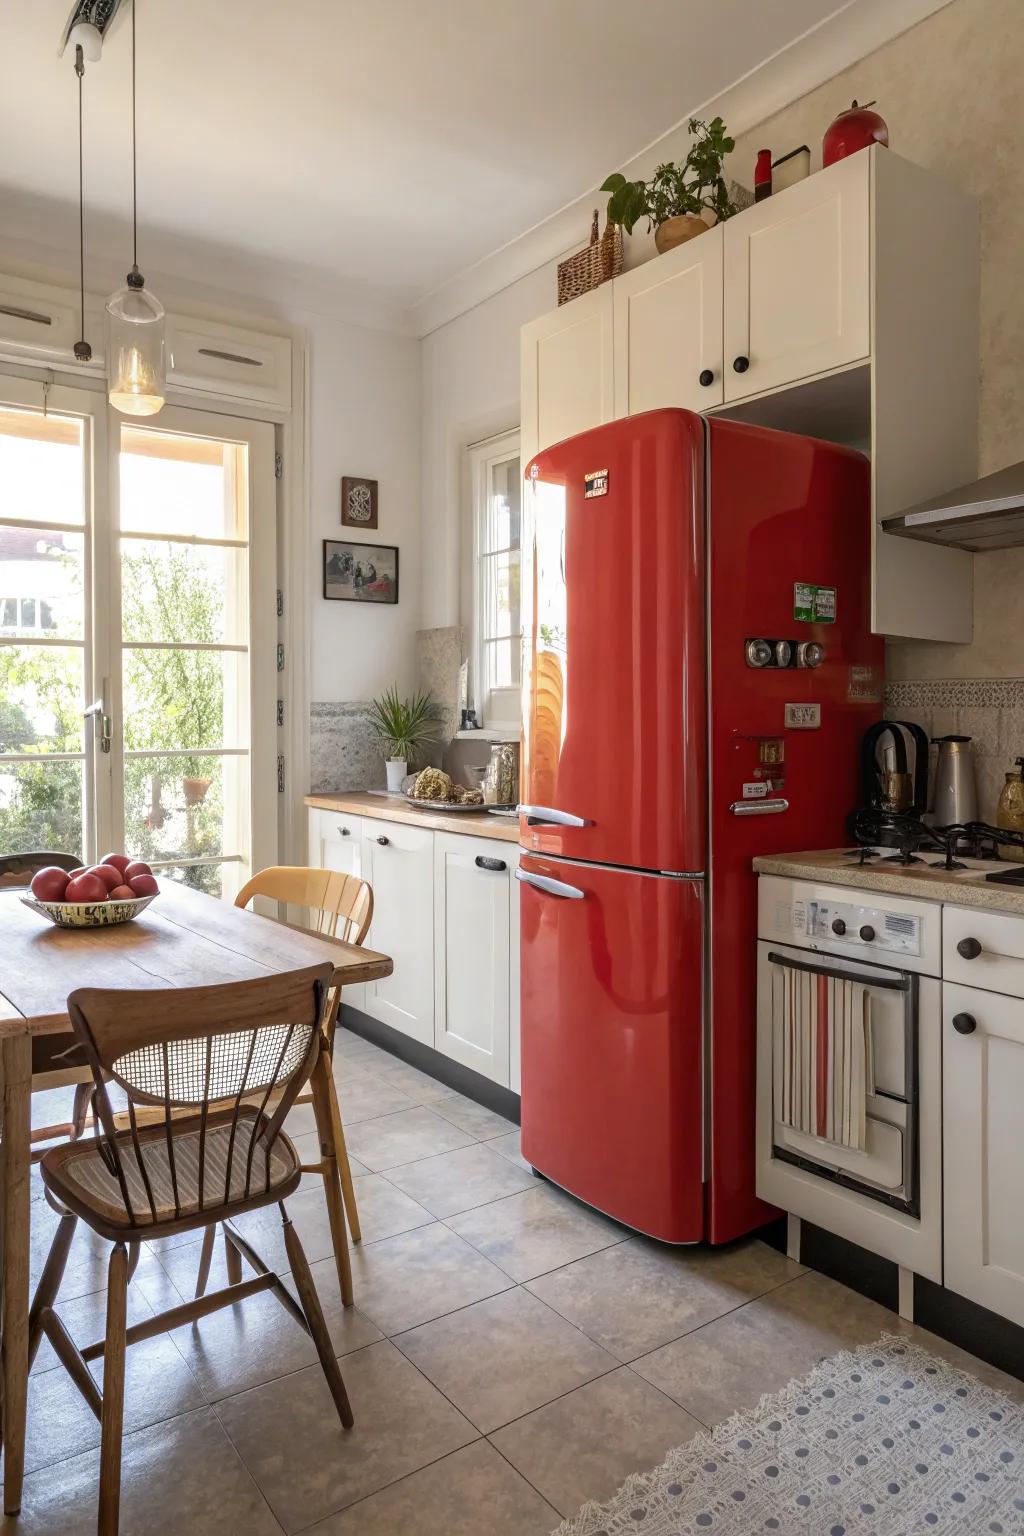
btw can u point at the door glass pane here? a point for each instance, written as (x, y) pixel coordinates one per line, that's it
(179, 808)
(501, 586)
(41, 467)
(40, 698)
(41, 574)
(501, 658)
(192, 592)
(182, 485)
(177, 699)
(41, 806)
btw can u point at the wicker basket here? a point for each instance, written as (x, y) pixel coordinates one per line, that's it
(593, 266)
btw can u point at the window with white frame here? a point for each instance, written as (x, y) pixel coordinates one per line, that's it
(497, 627)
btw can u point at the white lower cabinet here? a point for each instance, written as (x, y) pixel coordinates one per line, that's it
(474, 893)
(983, 1143)
(334, 843)
(398, 861)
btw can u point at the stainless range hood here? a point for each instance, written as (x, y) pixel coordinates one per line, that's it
(987, 514)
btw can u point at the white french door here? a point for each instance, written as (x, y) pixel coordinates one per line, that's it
(137, 635)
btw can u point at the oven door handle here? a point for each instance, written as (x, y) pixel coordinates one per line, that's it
(883, 982)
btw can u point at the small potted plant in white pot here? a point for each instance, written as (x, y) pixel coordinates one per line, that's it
(677, 197)
(402, 726)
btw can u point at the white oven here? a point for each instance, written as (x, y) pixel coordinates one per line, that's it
(886, 1194)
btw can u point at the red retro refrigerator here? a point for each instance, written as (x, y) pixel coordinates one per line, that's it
(702, 668)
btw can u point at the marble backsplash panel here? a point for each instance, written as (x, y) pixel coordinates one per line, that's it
(343, 750)
(988, 710)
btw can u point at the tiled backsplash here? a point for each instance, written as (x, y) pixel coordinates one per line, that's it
(343, 751)
(988, 710)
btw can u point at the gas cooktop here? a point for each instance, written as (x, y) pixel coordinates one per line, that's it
(974, 849)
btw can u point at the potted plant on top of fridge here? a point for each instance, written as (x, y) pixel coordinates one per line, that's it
(675, 200)
(402, 726)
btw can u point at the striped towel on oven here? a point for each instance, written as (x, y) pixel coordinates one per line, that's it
(822, 1067)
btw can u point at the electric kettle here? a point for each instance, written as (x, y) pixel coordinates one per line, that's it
(955, 800)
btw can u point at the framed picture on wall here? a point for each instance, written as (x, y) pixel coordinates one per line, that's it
(358, 502)
(360, 573)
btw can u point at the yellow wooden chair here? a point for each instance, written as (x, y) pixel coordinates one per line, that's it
(338, 906)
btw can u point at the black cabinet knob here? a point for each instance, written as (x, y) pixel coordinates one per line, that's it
(867, 933)
(706, 377)
(345, 831)
(740, 364)
(385, 842)
(838, 926)
(964, 1023)
(970, 949)
(497, 865)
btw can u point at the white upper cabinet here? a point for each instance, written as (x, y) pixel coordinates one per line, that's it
(567, 371)
(797, 281)
(668, 330)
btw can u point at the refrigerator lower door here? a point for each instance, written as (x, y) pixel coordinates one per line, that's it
(612, 1040)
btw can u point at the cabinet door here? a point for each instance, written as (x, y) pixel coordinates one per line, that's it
(797, 281)
(668, 329)
(472, 899)
(334, 843)
(225, 361)
(983, 1142)
(567, 371)
(398, 861)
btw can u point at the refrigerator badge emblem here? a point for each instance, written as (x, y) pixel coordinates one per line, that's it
(595, 483)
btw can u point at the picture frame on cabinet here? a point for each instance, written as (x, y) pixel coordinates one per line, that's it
(358, 502)
(355, 572)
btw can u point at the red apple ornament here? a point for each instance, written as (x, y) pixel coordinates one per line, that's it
(123, 893)
(86, 888)
(143, 885)
(107, 873)
(136, 868)
(118, 861)
(49, 883)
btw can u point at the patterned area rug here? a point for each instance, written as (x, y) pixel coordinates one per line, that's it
(884, 1441)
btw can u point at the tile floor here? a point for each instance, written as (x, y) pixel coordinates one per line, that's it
(511, 1353)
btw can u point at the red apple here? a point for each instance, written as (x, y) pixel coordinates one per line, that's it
(143, 885)
(49, 884)
(122, 893)
(137, 868)
(120, 861)
(87, 888)
(107, 873)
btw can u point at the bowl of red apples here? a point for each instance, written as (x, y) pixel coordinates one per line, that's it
(113, 891)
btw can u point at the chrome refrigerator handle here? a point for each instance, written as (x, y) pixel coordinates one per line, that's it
(550, 887)
(544, 813)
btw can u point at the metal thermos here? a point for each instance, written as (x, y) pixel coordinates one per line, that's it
(956, 792)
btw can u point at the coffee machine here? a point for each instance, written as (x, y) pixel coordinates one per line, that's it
(894, 780)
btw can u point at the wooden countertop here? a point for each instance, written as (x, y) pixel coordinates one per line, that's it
(832, 866)
(396, 808)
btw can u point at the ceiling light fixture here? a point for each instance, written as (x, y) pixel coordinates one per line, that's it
(136, 340)
(83, 351)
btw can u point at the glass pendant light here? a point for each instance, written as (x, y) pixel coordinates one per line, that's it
(136, 332)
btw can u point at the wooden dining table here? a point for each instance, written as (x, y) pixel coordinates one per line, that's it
(183, 939)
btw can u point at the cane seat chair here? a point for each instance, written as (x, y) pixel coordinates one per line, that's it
(339, 906)
(209, 1075)
(49, 1070)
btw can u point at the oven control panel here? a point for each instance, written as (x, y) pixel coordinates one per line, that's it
(874, 927)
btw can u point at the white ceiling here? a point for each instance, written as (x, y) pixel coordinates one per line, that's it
(383, 144)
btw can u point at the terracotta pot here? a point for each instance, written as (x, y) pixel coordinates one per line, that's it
(195, 790)
(674, 231)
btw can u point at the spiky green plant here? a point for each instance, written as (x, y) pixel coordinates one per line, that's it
(402, 726)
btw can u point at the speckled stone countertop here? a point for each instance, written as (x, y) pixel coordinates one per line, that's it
(832, 866)
(503, 829)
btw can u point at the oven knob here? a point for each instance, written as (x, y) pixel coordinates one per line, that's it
(964, 1024)
(810, 654)
(867, 933)
(970, 949)
(759, 653)
(838, 926)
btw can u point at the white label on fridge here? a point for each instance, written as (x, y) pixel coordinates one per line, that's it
(803, 717)
(757, 790)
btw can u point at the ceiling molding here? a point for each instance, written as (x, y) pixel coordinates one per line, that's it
(852, 32)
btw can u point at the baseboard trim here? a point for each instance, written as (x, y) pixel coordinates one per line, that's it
(985, 1334)
(452, 1073)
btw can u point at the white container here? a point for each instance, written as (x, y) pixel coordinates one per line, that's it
(397, 768)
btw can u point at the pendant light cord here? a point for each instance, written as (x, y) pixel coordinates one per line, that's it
(135, 179)
(83, 351)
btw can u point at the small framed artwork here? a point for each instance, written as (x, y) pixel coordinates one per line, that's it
(360, 573)
(358, 502)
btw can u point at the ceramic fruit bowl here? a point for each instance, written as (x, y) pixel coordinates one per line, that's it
(89, 914)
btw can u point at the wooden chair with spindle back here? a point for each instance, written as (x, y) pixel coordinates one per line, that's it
(339, 906)
(48, 1070)
(236, 1056)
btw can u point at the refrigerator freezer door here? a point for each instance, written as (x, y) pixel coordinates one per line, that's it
(613, 597)
(612, 1040)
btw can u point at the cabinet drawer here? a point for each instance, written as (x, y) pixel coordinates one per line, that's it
(983, 949)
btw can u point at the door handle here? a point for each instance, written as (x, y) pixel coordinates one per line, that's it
(538, 815)
(758, 807)
(483, 862)
(97, 713)
(550, 887)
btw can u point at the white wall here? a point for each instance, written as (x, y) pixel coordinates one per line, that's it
(364, 420)
(470, 390)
